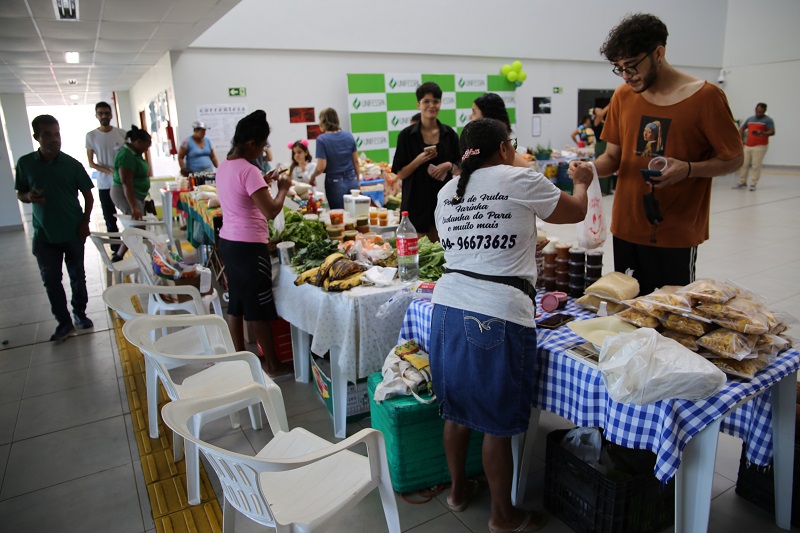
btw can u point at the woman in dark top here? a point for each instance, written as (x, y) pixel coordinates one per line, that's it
(426, 155)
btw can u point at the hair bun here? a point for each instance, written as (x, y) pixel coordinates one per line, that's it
(304, 142)
(289, 145)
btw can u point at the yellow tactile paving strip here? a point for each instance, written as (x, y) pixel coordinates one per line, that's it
(165, 479)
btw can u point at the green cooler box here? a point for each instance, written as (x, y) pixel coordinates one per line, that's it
(413, 435)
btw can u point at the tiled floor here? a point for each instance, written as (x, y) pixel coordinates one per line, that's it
(68, 459)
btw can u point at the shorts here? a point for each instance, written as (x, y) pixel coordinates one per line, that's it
(118, 196)
(482, 370)
(248, 269)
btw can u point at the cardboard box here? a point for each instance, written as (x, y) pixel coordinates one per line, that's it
(357, 400)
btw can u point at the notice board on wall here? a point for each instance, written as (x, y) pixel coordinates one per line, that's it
(381, 105)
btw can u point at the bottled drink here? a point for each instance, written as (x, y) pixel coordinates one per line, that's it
(407, 252)
(311, 205)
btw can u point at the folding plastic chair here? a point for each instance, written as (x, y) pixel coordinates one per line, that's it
(137, 241)
(220, 373)
(298, 482)
(114, 271)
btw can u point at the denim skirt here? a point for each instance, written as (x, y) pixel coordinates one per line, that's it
(482, 369)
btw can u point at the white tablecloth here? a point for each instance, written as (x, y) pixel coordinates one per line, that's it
(345, 319)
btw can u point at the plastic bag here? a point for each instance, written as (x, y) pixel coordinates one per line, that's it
(685, 324)
(689, 341)
(406, 371)
(670, 298)
(638, 318)
(614, 286)
(710, 290)
(592, 229)
(586, 444)
(643, 367)
(728, 343)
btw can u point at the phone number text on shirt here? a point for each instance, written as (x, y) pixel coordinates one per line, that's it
(478, 242)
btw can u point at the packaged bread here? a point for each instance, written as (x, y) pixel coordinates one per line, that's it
(592, 303)
(668, 297)
(647, 307)
(638, 318)
(710, 290)
(728, 343)
(688, 341)
(616, 286)
(779, 328)
(687, 325)
(755, 324)
(740, 369)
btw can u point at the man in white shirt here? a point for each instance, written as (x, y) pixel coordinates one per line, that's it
(102, 145)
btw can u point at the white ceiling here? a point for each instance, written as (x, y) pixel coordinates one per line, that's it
(118, 40)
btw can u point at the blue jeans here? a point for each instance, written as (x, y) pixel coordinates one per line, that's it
(336, 186)
(49, 257)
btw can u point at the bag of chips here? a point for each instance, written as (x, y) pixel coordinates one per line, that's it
(668, 297)
(638, 318)
(728, 343)
(709, 290)
(687, 325)
(689, 341)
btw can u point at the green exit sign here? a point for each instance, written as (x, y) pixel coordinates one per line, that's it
(558, 90)
(237, 91)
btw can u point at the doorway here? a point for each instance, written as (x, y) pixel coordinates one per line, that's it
(591, 98)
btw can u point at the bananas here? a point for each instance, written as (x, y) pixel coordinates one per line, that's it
(345, 275)
(305, 276)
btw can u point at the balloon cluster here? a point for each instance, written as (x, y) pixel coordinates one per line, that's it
(514, 73)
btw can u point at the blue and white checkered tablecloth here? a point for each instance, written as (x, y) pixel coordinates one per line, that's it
(576, 391)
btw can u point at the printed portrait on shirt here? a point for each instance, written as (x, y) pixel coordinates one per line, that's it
(653, 134)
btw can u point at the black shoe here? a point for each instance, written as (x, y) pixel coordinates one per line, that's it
(83, 322)
(62, 332)
(116, 258)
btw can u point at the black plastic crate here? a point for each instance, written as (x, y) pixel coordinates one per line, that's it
(588, 501)
(756, 484)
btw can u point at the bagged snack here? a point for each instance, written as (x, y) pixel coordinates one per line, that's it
(614, 285)
(592, 303)
(728, 343)
(736, 308)
(689, 341)
(687, 325)
(668, 297)
(756, 323)
(739, 369)
(638, 318)
(647, 307)
(710, 290)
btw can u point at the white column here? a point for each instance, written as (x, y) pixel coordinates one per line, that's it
(15, 141)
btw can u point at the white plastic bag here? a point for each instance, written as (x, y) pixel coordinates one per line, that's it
(406, 371)
(643, 367)
(585, 444)
(592, 230)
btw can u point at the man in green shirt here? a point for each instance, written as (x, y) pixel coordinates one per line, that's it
(51, 180)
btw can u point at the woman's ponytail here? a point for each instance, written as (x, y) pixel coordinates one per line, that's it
(480, 141)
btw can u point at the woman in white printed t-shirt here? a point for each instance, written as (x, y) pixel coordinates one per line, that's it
(483, 337)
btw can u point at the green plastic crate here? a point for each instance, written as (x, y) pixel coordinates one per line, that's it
(414, 446)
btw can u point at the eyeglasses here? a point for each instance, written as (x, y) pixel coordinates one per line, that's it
(513, 142)
(631, 70)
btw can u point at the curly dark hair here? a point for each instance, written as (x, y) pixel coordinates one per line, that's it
(636, 34)
(484, 136)
(492, 106)
(254, 127)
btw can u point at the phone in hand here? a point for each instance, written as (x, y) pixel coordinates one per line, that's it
(555, 321)
(430, 148)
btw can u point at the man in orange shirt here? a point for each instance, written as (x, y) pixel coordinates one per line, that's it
(759, 129)
(661, 111)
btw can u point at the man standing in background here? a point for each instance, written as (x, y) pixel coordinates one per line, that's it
(759, 129)
(103, 143)
(51, 180)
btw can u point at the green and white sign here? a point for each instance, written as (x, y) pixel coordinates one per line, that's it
(381, 105)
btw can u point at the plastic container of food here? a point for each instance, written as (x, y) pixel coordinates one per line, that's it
(337, 216)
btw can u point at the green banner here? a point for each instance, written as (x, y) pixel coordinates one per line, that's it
(381, 105)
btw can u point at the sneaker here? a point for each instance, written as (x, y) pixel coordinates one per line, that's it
(752, 188)
(83, 322)
(740, 186)
(62, 332)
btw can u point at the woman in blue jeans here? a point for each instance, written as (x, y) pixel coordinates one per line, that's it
(337, 158)
(483, 336)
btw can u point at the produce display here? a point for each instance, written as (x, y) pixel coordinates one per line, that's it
(313, 255)
(336, 273)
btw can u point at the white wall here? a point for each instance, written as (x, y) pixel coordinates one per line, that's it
(277, 80)
(13, 120)
(156, 80)
(762, 64)
(540, 29)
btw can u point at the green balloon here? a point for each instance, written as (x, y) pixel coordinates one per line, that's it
(522, 76)
(512, 76)
(505, 69)
(516, 66)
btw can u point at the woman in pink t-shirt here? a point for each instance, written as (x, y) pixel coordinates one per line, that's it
(246, 206)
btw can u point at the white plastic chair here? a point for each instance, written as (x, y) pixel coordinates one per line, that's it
(116, 272)
(137, 241)
(221, 373)
(298, 482)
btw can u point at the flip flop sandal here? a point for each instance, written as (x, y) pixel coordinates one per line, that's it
(531, 522)
(473, 489)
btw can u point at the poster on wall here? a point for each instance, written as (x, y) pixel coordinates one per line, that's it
(221, 120)
(301, 115)
(158, 111)
(381, 105)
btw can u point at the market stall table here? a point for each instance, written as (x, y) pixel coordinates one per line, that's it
(683, 434)
(342, 323)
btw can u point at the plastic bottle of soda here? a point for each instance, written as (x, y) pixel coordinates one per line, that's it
(407, 252)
